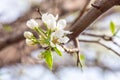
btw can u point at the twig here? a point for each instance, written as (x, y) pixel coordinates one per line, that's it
(76, 43)
(40, 13)
(98, 42)
(105, 37)
(73, 50)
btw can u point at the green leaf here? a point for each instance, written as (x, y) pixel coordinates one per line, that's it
(82, 59)
(57, 51)
(48, 58)
(112, 27)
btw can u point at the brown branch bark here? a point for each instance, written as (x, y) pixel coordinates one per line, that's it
(82, 11)
(11, 39)
(98, 8)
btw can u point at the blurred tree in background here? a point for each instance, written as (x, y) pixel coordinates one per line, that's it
(94, 43)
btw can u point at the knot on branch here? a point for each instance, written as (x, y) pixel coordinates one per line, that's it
(103, 5)
(97, 7)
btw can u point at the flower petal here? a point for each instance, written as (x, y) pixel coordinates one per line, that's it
(49, 20)
(32, 23)
(44, 17)
(52, 44)
(44, 45)
(63, 39)
(56, 17)
(28, 34)
(50, 17)
(59, 33)
(67, 32)
(52, 24)
(29, 42)
(61, 24)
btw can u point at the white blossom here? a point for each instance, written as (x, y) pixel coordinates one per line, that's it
(29, 42)
(60, 35)
(28, 34)
(32, 23)
(47, 17)
(49, 20)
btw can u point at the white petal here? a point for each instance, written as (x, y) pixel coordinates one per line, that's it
(67, 32)
(32, 23)
(59, 33)
(63, 39)
(44, 17)
(51, 17)
(56, 17)
(60, 48)
(61, 24)
(49, 20)
(28, 34)
(52, 35)
(29, 42)
(52, 44)
(44, 45)
(52, 25)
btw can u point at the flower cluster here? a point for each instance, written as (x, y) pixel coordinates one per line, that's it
(51, 38)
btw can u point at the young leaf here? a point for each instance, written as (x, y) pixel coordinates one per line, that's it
(112, 27)
(48, 58)
(82, 59)
(57, 51)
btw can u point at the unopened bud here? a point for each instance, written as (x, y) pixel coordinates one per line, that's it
(28, 34)
(32, 24)
(29, 42)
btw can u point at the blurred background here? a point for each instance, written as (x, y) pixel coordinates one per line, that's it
(20, 62)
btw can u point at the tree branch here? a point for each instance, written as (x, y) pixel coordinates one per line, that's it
(98, 42)
(11, 39)
(98, 8)
(76, 43)
(82, 11)
(104, 37)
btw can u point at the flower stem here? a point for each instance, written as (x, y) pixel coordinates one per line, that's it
(40, 31)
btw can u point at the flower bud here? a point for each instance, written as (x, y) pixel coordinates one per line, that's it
(29, 42)
(49, 20)
(28, 34)
(32, 24)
